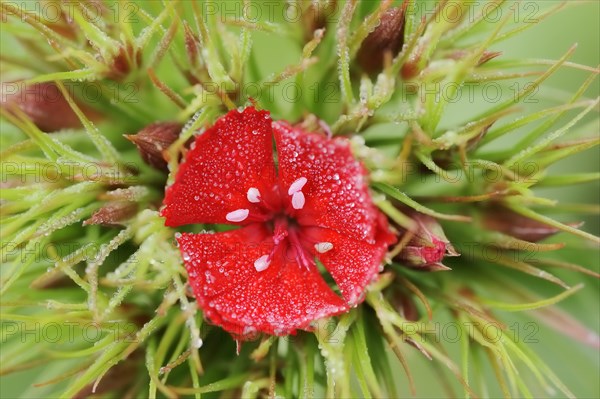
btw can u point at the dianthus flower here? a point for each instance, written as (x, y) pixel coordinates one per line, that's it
(303, 212)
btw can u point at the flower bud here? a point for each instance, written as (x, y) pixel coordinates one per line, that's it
(128, 58)
(44, 104)
(315, 16)
(192, 44)
(388, 37)
(406, 306)
(509, 222)
(428, 246)
(152, 140)
(112, 213)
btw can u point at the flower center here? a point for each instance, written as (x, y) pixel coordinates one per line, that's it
(287, 232)
(277, 209)
(289, 239)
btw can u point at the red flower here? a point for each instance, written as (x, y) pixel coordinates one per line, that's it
(264, 277)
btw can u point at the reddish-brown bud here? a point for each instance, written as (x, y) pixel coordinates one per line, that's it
(388, 37)
(405, 304)
(428, 246)
(44, 104)
(504, 220)
(128, 59)
(315, 17)
(152, 140)
(192, 44)
(113, 213)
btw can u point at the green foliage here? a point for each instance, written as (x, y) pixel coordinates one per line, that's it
(116, 296)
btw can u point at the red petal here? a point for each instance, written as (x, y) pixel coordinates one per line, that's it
(232, 156)
(278, 300)
(212, 259)
(336, 193)
(353, 264)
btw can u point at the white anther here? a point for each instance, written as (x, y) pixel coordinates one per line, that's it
(298, 200)
(262, 263)
(238, 215)
(323, 247)
(253, 195)
(297, 185)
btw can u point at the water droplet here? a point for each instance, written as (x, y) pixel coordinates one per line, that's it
(197, 342)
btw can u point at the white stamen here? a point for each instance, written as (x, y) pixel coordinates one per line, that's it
(297, 185)
(238, 215)
(262, 263)
(298, 200)
(323, 247)
(253, 195)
